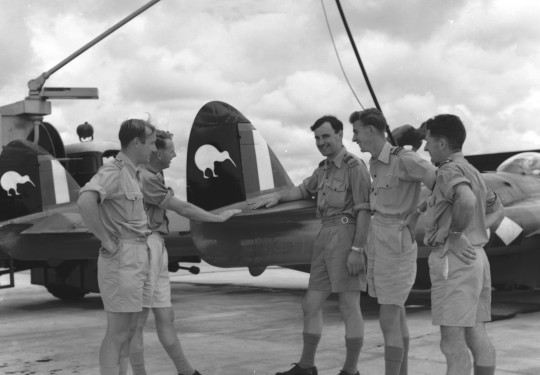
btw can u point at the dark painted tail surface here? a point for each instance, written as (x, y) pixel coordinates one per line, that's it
(32, 180)
(228, 161)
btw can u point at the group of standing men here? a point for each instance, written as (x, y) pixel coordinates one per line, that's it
(124, 205)
(367, 241)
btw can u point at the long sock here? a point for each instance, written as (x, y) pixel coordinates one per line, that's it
(353, 346)
(109, 370)
(124, 364)
(311, 341)
(393, 356)
(405, 362)
(179, 359)
(484, 370)
(137, 363)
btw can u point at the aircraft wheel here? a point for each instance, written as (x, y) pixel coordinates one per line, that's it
(66, 292)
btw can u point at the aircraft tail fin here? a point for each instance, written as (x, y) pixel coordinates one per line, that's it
(228, 160)
(32, 180)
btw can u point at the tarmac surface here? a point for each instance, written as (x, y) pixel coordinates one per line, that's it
(233, 324)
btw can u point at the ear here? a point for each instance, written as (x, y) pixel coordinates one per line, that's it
(136, 141)
(443, 143)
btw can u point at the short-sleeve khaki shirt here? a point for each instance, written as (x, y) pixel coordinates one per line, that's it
(341, 186)
(397, 176)
(156, 198)
(454, 171)
(121, 200)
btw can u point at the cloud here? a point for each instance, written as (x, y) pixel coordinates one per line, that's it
(274, 61)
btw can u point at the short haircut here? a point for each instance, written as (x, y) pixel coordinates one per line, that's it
(134, 128)
(449, 127)
(334, 122)
(161, 138)
(370, 116)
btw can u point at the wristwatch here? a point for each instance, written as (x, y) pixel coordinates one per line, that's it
(357, 249)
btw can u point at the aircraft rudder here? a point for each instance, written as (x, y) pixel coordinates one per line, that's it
(32, 180)
(228, 160)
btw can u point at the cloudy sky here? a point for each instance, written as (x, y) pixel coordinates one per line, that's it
(274, 61)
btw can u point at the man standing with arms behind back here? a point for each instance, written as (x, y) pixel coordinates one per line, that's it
(341, 185)
(111, 205)
(158, 198)
(458, 266)
(391, 247)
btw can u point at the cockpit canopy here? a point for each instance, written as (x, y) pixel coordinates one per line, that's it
(526, 163)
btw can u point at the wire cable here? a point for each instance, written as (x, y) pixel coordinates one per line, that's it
(337, 55)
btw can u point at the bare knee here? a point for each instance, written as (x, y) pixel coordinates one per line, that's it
(309, 309)
(312, 302)
(453, 342)
(349, 304)
(480, 345)
(389, 318)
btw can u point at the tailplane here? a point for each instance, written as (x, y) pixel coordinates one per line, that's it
(228, 160)
(32, 180)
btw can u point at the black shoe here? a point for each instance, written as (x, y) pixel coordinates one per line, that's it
(297, 370)
(343, 372)
(195, 373)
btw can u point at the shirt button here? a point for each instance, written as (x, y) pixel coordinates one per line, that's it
(374, 175)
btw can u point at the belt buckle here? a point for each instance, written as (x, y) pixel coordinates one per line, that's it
(344, 220)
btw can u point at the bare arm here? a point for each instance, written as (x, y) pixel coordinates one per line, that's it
(196, 213)
(88, 206)
(356, 259)
(462, 212)
(293, 194)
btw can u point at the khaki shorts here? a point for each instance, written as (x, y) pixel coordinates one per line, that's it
(329, 260)
(157, 293)
(391, 256)
(123, 275)
(460, 293)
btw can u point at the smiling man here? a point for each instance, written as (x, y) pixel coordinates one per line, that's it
(391, 247)
(157, 199)
(341, 184)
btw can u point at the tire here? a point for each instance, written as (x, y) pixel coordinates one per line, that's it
(66, 292)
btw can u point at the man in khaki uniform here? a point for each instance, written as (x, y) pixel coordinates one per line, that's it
(395, 193)
(456, 232)
(111, 204)
(341, 185)
(158, 198)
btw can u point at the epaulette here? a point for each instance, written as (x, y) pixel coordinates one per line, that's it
(350, 160)
(396, 150)
(118, 163)
(321, 164)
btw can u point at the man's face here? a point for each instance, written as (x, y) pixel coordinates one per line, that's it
(166, 154)
(433, 147)
(328, 141)
(144, 150)
(361, 135)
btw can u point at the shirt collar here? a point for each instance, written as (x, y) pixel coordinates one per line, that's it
(127, 161)
(384, 155)
(453, 157)
(338, 160)
(150, 168)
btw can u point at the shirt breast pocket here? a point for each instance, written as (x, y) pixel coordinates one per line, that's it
(336, 194)
(387, 182)
(134, 203)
